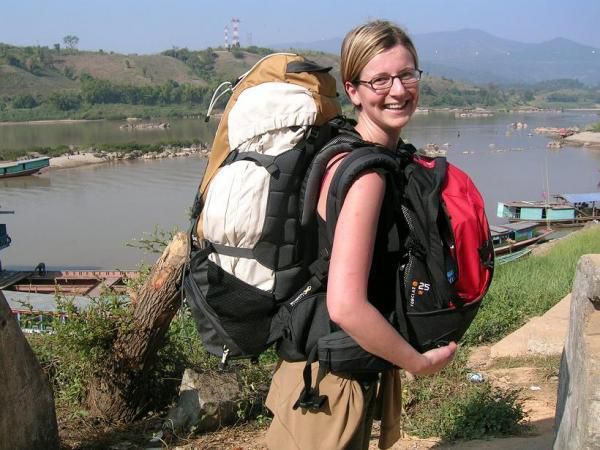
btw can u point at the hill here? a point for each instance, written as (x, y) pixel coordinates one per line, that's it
(479, 57)
(42, 83)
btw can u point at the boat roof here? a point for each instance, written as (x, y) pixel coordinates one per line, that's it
(40, 303)
(590, 197)
(495, 229)
(537, 204)
(508, 227)
(519, 226)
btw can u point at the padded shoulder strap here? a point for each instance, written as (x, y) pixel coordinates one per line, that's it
(345, 141)
(354, 164)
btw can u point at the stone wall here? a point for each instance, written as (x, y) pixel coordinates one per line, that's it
(27, 416)
(577, 422)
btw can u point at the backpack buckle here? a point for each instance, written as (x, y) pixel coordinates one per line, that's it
(310, 399)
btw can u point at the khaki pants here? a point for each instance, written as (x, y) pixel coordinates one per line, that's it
(343, 423)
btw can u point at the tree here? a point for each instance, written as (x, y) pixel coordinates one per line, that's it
(118, 393)
(71, 41)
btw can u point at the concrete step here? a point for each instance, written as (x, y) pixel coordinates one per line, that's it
(543, 335)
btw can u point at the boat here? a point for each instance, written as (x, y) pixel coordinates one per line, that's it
(562, 210)
(513, 237)
(33, 296)
(510, 257)
(88, 283)
(23, 167)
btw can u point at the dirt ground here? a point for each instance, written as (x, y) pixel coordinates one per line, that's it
(537, 393)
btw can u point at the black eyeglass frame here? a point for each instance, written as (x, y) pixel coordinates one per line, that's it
(392, 78)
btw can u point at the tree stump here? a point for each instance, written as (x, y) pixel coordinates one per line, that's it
(118, 393)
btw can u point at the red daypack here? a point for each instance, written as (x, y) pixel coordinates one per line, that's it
(450, 256)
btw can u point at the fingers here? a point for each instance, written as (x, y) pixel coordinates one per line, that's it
(439, 358)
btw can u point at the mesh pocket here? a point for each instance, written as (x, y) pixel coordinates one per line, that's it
(228, 312)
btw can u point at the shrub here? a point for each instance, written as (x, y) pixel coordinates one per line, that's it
(24, 101)
(446, 405)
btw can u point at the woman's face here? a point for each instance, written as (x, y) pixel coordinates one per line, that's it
(389, 110)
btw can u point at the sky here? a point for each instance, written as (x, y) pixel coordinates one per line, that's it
(152, 26)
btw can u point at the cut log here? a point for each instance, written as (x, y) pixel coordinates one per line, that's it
(118, 393)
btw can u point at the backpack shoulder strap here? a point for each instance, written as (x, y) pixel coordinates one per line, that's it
(360, 160)
(345, 140)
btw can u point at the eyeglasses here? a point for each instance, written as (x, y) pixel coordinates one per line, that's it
(384, 82)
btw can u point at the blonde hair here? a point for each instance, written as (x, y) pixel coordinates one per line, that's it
(366, 41)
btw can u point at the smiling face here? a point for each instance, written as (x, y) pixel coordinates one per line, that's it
(381, 115)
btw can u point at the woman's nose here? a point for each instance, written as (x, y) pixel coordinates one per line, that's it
(397, 86)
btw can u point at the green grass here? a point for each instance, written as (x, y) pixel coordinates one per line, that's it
(530, 287)
(595, 127)
(448, 406)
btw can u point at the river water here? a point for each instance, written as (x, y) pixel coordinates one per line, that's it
(85, 217)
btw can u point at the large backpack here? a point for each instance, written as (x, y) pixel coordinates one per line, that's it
(254, 229)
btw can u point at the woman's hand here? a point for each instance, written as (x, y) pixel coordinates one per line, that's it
(436, 359)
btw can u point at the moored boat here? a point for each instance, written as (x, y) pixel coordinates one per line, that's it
(512, 237)
(24, 167)
(562, 210)
(89, 283)
(33, 296)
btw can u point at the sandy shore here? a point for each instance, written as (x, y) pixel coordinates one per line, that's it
(586, 138)
(69, 161)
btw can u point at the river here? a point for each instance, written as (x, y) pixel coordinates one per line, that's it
(85, 217)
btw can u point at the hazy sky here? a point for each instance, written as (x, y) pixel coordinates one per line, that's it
(151, 26)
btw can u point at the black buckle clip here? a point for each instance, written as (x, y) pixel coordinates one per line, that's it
(310, 399)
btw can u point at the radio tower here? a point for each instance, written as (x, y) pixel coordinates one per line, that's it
(226, 31)
(235, 38)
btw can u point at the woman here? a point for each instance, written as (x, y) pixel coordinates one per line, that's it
(379, 70)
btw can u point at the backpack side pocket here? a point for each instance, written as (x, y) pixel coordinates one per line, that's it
(300, 326)
(338, 352)
(228, 312)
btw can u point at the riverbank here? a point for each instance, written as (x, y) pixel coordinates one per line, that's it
(585, 138)
(78, 159)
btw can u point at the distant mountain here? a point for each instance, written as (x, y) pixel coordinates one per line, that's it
(479, 57)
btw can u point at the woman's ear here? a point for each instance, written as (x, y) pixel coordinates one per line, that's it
(352, 92)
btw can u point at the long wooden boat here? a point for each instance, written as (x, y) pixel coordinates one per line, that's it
(511, 237)
(89, 283)
(562, 210)
(22, 168)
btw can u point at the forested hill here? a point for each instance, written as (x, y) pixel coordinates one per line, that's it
(41, 82)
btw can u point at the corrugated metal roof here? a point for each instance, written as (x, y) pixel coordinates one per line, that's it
(590, 197)
(46, 303)
(518, 226)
